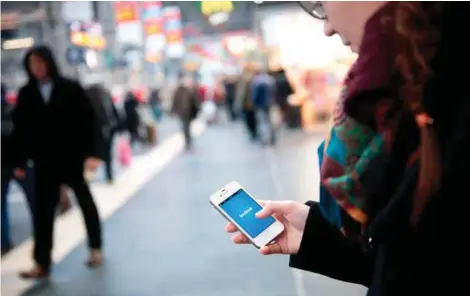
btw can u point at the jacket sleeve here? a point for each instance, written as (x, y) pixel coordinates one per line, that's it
(20, 131)
(325, 250)
(92, 139)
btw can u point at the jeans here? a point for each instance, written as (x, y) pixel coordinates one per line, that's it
(265, 126)
(186, 126)
(28, 186)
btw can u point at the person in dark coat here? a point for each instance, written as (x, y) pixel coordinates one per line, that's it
(133, 120)
(410, 184)
(185, 106)
(55, 127)
(244, 102)
(109, 123)
(230, 86)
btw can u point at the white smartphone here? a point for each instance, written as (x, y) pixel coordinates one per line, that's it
(237, 206)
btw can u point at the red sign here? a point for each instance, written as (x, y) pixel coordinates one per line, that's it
(126, 11)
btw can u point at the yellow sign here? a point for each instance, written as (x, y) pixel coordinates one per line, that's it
(85, 40)
(212, 7)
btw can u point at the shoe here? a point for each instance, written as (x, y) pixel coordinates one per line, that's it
(95, 259)
(36, 273)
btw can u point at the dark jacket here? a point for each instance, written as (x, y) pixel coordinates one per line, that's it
(395, 258)
(185, 103)
(131, 109)
(58, 135)
(108, 116)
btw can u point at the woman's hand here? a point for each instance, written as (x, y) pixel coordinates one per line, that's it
(92, 163)
(291, 214)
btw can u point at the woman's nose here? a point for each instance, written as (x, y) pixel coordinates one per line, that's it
(328, 29)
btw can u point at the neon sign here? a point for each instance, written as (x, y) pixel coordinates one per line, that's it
(217, 12)
(212, 7)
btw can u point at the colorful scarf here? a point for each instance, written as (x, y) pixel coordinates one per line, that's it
(361, 130)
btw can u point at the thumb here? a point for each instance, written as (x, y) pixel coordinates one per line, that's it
(274, 207)
(271, 249)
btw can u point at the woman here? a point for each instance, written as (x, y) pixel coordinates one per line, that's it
(407, 179)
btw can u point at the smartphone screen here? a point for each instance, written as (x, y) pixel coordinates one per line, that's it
(242, 208)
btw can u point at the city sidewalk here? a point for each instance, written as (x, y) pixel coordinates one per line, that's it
(163, 238)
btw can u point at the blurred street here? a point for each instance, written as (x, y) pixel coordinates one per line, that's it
(163, 238)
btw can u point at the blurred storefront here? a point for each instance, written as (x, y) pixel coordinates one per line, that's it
(219, 36)
(315, 64)
(21, 28)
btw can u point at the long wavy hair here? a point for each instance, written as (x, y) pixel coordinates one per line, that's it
(417, 33)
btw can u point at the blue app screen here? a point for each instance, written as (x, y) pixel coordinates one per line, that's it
(242, 208)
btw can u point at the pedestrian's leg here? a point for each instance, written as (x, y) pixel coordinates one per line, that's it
(270, 125)
(29, 187)
(187, 133)
(253, 124)
(250, 122)
(91, 217)
(47, 196)
(108, 161)
(6, 177)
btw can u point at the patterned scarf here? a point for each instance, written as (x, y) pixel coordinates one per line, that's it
(361, 130)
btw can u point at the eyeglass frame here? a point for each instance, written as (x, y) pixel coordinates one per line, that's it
(310, 12)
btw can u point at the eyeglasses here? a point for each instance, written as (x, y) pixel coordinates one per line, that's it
(314, 8)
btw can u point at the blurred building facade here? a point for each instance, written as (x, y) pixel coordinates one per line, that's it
(31, 23)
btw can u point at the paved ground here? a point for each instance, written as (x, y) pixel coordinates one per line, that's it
(167, 240)
(19, 213)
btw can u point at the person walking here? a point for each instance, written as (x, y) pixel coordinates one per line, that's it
(109, 123)
(185, 107)
(55, 126)
(263, 91)
(155, 103)
(133, 120)
(244, 102)
(26, 183)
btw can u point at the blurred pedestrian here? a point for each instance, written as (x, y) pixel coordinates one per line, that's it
(263, 91)
(133, 120)
(230, 87)
(26, 183)
(55, 126)
(155, 104)
(244, 103)
(109, 123)
(185, 107)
